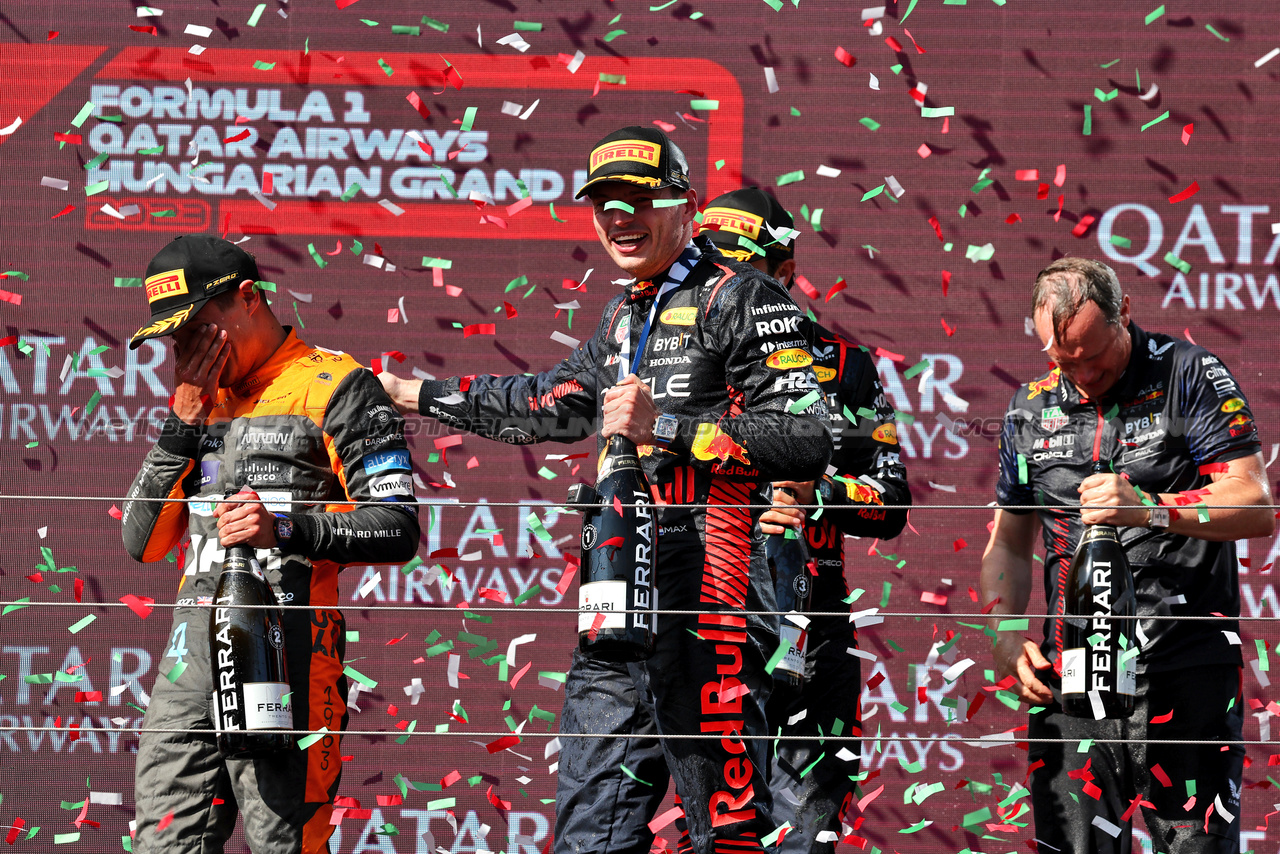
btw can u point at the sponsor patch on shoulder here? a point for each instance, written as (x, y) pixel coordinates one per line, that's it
(793, 357)
(391, 484)
(886, 433)
(1234, 404)
(387, 461)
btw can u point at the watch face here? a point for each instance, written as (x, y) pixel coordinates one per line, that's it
(665, 428)
(284, 529)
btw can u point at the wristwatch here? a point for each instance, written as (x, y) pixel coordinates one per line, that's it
(284, 528)
(664, 428)
(1157, 518)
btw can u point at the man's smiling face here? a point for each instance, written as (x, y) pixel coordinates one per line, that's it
(645, 240)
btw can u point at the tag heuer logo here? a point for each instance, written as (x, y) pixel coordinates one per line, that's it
(1052, 418)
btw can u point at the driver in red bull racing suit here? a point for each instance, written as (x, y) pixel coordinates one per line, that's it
(713, 341)
(255, 409)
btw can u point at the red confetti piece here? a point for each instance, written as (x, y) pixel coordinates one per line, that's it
(666, 126)
(924, 151)
(141, 28)
(666, 818)
(498, 803)
(946, 281)
(868, 798)
(1042, 192)
(12, 836)
(1057, 216)
(390, 800)
(840, 285)
(140, 605)
(267, 183)
(493, 595)
(68, 209)
(114, 512)
(1163, 719)
(1083, 225)
(342, 4)
(416, 102)
(894, 44)
(88, 696)
(511, 310)
(1012, 218)
(479, 329)
(1187, 130)
(36, 578)
(53, 34)
(809, 290)
(566, 577)
(523, 670)
(1210, 468)
(244, 134)
(617, 505)
(986, 609)
(1026, 174)
(376, 367)
(1159, 774)
(1060, 176)
(937, 228)
(975, 705)
(503, 743)
(874, 681)
(959, 544)
(10, 297)
(514, 209)
(1186, 333)
(79, 588)
(948, 328)
(844, 57)
(1185, 194)
(614, 541)
(395, 641)
(932, 599)
(392, 710)
(165, 822)
(913, 41)
(917, 96)
(894, 357)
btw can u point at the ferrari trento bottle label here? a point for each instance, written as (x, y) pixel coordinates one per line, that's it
(601, 597)
(793, 659)
(265, 706)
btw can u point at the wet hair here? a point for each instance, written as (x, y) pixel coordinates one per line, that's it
(1068, 283)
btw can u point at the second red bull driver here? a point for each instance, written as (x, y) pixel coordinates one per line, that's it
(699, 340)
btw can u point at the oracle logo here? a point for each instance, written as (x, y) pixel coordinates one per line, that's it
(143, 213)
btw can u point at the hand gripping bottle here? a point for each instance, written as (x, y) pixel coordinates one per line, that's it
(1099, 651)
(619, 554)
(791, 568)
(246, 655)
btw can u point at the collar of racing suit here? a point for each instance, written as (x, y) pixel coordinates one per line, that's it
(292, 349)
(692, 254)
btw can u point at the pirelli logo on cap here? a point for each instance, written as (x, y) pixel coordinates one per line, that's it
(727, 219)
(636, 150)
(171, 283)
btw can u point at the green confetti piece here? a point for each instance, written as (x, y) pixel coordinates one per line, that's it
(871, 194)
(257, 14)
(1177, 263)
(937, 112)
(1264, 663)
(298, 315)
(350, 192)
(527, 26)
(1157, 120)
(308, 740)
(1109, 64)
(863, 412)
(552, 207)
(1154, 14)
(64, 838)
(315, 256)
(776, 5)
(159, 149)
(388, 70)
(177, 671)
(352, 673)
(553, 675)
(613, 34)
(442, 804)
(16, 274)
(413, 725)
(815, 222)
(97, 161)
(535, 525)
(704, 104)
(976, 817)
(902, 710)
(442, 263)
(1122, 242)
(924, 822)
(93, 403)
(1202, 512)
(1105, 96)
(517, 282)
(804, 403)
(82, 623)
(546, 472)
(409, 567)
(94, 189)
(618, 205)
(790, 178)
(439, 26)
(84, 113)
(165, 213)
(1210, 28)
(918, 368)
(527, 595)
(265, 286)
(38, 678)
(1088, 120)
(405, 30)
(263, 66)
(776, 659)
(810, 766)
(1021, 625)
(772, 836)
(615, 79)
(469, 118)
(353, 637)
(1022, 469)
(632, 775)
(668, 203)
(884, 597)
(869, 123)
(33, 444)
(719, 165)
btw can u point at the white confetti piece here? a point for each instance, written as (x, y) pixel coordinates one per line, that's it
(771, 79)
(875, 82)
(198, 31)
(511, 108)
(374, 261)
(404, 318)
(942, 487)
(1232, 637)
(12, 126)
(452, 399)
(1263, 60)
(529, 112)
(66, 367)
(54, 183)
(567, 340)
(263, 200)
(149, 12)
(552, 748)
(43, 532)
(828, 172)
(479, 36)
(511, 647)
(1275, 228)
(1028, 326)
(1112, 830)
(196, 49)
(568, 306)
(1180, 599)
(423, 375)
(576, 62)
(111, 212)
(300, 297)
(154, 178)
(953, 672)
(455, 661)
(1155, 90)
(871, 13)
(797, 717)
(894, 187)
(861, 653)
(111, 799)
(799, 619)
(395, 209)
(134, 210)
(514, 40)
(368, 586)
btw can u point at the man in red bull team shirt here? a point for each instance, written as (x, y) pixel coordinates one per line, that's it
(679, 365)
(1166, 417)
(812, 787)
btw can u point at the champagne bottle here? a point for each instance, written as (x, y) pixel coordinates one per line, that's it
(246, 654)
(619, 555)
(790, 566)
(1099, 653)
